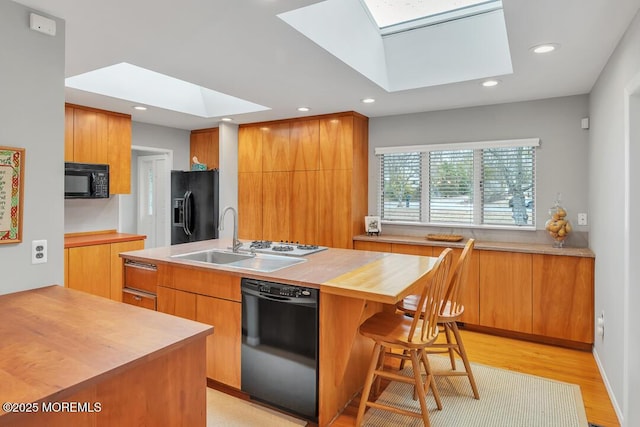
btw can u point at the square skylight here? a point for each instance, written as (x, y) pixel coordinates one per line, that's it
(401, 15)
(142, 86)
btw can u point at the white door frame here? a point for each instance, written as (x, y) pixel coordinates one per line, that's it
(167, 177)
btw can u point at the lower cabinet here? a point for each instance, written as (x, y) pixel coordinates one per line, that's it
(212, 298)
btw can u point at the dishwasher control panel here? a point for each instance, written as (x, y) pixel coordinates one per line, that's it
(278, 290)
(286, 291)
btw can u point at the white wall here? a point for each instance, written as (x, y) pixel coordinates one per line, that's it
(608, 201)
(561, 159)
(228, 173)
(32, 111)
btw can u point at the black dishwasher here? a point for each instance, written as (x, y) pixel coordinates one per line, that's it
(280, 345)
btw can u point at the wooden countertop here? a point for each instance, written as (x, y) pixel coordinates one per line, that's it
(99, 238)
(375, 276)
(57, 341)
(533, 248)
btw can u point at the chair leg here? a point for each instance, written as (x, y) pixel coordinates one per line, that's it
(452, 358)
(368, 383)
(379, 366)
(430, 380)
(415, 363)
(404, 352)
(465, 359)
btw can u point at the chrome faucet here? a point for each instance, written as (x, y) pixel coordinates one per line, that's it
(236, 243)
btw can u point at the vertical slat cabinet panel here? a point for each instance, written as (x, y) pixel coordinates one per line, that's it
(250, 205)
(205, 145)
(117, 270)
(334, 209)
(250, 149)
(336, 143)
(119, 154)
(276, 150)
(68, 133)
(563, 297)
(360, 174)
(304, 207)
(223, 346)
(177, 303)
(276, 205)
(90, 269)
(505, 290)
(305, 145)
(470, 296)
(90, 136)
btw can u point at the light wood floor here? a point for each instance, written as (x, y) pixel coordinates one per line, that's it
(572, 366)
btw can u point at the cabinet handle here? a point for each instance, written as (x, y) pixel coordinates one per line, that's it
(137, 298)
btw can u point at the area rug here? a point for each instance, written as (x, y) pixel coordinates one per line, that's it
(228, 411)
(507, 399)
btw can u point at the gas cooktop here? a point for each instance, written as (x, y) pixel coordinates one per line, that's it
(281, 248)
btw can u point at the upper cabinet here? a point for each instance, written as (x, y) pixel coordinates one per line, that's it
(97, 136)
(304, 179)
(205, 145)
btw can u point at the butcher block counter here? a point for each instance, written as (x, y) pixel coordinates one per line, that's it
(353, 286)
(70, 358)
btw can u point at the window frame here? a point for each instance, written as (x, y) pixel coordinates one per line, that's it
(477, 181)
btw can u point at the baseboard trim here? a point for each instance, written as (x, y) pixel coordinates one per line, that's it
(607, 385)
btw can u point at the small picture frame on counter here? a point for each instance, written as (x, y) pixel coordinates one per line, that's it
(372, 225)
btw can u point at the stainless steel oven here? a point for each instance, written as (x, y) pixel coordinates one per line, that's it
(279, 359)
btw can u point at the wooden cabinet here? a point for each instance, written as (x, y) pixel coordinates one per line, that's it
(97, 136)
(209, 297)
(205, 145)
(563, 297)
(140, 299)
(313, 179)
(97, 268)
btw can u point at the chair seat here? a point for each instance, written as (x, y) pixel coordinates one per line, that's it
(392, 329)
(409, 306)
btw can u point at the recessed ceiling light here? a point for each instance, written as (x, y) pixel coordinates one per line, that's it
(303, 109)
(368, 101)
(490, 83)
(226, 119)
(139, 107)
(544, 48)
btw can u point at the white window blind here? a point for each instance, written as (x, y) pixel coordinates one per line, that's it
(477, 183)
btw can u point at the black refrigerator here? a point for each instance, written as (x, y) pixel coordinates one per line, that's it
(194, 206)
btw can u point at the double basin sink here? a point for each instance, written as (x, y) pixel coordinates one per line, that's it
(247, 261)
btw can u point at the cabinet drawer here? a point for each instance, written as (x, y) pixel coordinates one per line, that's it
(140, 276)
(141, 299)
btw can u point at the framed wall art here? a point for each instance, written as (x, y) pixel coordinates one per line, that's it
(11, 193)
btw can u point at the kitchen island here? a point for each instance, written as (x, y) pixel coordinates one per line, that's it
(353, 286)
(70, 358)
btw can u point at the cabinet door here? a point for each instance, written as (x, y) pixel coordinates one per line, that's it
(305, 145)
(334, 209)
(68, 134)
(117, 269)
(505, 291)
(90, 136)
(177, 303)
(223, 346)
(276, 208)
(362, 245)
(119, 154)
(66, 268)
(563, 297)
(304, 208)
(413, 249)
(250, 205)
(205, 145)
(250, 149)
(470, 295)
(276, 150)
(336, 143)
(139, 299)
(90, 269)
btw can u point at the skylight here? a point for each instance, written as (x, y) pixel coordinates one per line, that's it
(401, 15)
(142, 86)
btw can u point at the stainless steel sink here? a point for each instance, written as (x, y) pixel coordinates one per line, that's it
(256, 262)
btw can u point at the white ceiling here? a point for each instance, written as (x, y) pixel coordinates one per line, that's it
(241, 48)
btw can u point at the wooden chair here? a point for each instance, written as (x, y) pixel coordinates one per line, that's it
(412, 335)
(450, 312)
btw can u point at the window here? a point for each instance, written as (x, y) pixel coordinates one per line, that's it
(476, 184)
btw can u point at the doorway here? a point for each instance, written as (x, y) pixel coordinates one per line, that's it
(152, 196)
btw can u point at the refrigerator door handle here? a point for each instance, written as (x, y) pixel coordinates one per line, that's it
(186, 224)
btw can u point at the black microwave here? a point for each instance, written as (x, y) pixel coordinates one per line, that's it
(86, 181)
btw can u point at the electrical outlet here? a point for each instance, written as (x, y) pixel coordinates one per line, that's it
(582, 219)
(600, 324)
(38, 251)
